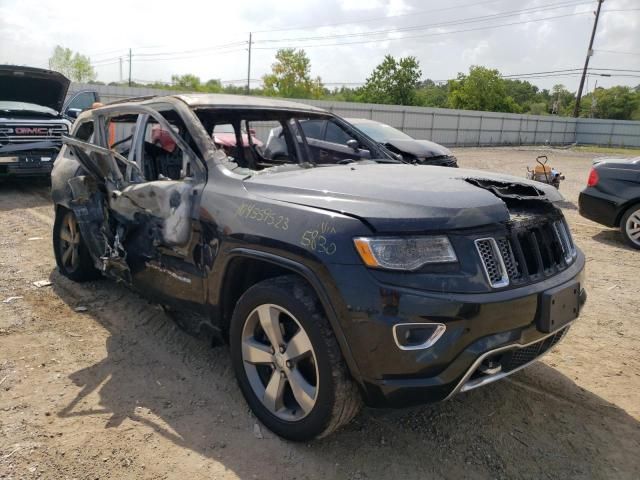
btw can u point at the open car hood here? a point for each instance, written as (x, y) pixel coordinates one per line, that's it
(402, 198)
(33, 85)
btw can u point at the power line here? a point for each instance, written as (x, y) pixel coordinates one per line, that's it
(481, 18)
(196, 50)
(367, 20)
(617, 52)
(184, 57)
(406, 37)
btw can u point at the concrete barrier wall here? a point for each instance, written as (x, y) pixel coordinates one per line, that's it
(454, 127)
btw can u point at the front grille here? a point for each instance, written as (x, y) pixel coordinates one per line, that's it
(521, 356)
(527, 253)
(493, 262)
(26, 132)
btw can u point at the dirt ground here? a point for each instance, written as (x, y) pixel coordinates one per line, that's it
(98, 383)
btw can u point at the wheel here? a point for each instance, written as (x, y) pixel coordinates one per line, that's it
(288, 363)
(72, 256)
(630, 226)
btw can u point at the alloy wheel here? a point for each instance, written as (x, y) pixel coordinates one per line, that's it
(280, 362)
(632, 227)
(70, 242)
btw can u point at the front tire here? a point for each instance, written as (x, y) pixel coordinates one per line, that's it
(630, 226)
(288, 363)
(72, 257)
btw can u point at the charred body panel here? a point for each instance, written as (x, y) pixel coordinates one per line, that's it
(200, 240)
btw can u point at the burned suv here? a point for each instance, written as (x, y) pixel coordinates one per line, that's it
(34, 117)
(367, 280)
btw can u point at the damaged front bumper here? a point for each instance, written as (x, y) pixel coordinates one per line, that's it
(487, 336)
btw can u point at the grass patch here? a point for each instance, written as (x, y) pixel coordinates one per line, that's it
(607, 150)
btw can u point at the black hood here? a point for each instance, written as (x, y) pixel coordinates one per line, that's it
(419, 148)
(399, 198)
(33, 85)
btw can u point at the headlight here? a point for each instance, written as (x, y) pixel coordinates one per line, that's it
(407, 253)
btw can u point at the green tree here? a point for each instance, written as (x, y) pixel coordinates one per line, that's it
(482, 89)
(617, 103)
(522, 92)
(393, 82)
(74, 66)
(561, 101)
(291, 76)
(187, 82)
(431, 94)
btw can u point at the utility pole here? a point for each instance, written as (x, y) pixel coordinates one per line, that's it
(576, 111)
(120, 69)
(249, 68)
(129, 67)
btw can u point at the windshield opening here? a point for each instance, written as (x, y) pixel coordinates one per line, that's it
(259, 139)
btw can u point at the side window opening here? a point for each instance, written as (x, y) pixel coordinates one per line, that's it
(336, 134)
(162, 158)
(82, 101)
(84, 131)
(120, 130)
(312, 128)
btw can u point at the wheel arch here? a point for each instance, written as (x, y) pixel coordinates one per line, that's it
(234, 284)
(623, 209)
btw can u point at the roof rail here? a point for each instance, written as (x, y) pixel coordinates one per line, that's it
(133, 99)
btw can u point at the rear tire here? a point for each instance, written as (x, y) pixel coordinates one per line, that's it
(300, 389)
(630, 226)
(72, 257)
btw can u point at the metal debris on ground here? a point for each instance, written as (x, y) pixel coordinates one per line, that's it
(12, 299)
(33, 238)
(81, 309)
(42, 283)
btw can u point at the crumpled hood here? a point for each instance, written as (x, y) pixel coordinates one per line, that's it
(419, 148)
(33, 85)
(396, 198)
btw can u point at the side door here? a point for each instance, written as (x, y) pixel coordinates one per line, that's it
(148, 182)
(164, 239)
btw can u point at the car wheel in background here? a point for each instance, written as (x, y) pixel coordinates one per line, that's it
(630, 226)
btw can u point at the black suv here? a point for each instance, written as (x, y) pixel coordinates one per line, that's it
(374, 279)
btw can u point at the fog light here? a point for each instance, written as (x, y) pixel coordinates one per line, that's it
(417, 336)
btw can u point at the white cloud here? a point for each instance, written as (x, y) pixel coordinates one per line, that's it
(30, 30)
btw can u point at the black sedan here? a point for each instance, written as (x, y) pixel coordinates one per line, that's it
(423, 152)
(612, 197)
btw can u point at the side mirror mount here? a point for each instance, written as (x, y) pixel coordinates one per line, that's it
(72, 112)
(353, 144)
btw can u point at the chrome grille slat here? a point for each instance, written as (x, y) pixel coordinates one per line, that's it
(492, 261)
(527, 253)
(9, 136)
